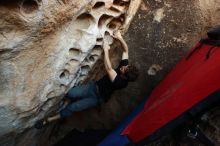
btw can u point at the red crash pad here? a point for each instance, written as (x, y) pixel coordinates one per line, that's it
(191, 81)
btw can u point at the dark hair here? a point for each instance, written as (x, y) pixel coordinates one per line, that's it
(214, 33)
(132, 73)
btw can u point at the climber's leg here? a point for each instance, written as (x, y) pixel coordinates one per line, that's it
(89, 98)
(53, 118)
(78, 106)
(77, 92)
(43, 122)
(68, 111)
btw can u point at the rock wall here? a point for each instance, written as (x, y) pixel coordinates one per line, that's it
(47, 47)
(161, 33)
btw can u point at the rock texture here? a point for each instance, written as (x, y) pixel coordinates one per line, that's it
(46, 47)
(161, 33)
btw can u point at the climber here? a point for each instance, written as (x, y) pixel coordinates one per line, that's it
(96, 92)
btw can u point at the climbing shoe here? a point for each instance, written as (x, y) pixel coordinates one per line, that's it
(40, 124)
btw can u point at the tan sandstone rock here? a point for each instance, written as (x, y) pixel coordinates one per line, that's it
(48, 46)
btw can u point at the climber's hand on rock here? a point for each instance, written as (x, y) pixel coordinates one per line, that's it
(106, 46)
(117, 34)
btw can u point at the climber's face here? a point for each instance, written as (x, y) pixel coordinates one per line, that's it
(124, 69)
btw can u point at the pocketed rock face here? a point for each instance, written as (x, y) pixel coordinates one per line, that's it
(47, 47)
(161, 33)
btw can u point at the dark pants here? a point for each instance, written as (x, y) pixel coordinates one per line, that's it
(87, 95)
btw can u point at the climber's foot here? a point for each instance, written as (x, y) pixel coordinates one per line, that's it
(41, 123)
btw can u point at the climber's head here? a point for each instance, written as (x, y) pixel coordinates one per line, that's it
(214, 33)
(130, 72)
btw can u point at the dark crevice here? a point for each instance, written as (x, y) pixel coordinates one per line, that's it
(97, 48)
(119, 20)
(85, 69)
(74, 52)
(112, 26)
(107, 33)
(92, 59)
(11, 4)
(29, 6)
(84, 20)
(86, 138)
(99, 5)
(85, 16)
(65, 1)
(99, 39)
(114, 9)
(102, 19)
(121, 3)
(65, 74)
(51, 94)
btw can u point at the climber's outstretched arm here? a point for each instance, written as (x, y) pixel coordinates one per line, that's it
(118, 36)
(110, 71)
